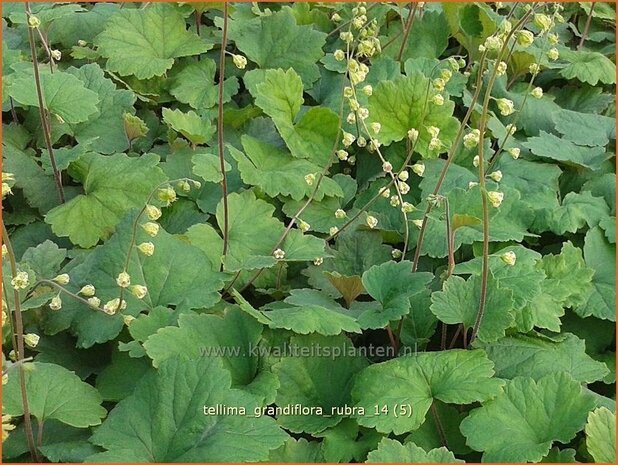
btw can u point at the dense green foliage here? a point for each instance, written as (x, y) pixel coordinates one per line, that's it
(395, 220)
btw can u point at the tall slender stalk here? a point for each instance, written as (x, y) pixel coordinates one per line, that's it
(19, 349)
(226, 225)
(407, 29)
(45, 126)
(586, 27)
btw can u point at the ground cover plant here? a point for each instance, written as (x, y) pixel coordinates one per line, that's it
(308, 232)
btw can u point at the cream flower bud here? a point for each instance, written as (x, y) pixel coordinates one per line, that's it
(351, 118)
(439, 84)
(183, 185)
(62, 279)
(505, 26)
(514, 152)
(418, 169)
(123, 279)
(33, 21)
(476, 161)
(493, 43)
(472, 184)
(342, 155)
(385, 192)
(339, 55)
(151, 228)
(496, 176)
(88, 290)
(387, 167)
(403, 187)
(372, 221)
(418, 223)
(147, 248)
(167, 195)
(446, 74)
(407, 207)
(318, 261)
(239, 61)
(348, 139)
(395, 201)
(375, 127)
(32, 340)
(472, 139)
(361, 142)
(534, 68)
(56, 55)
(505, 106)
(553, 54)
(501, 68)
(363, 113)
(128, 319)
(403, 175)
(5, 250)
(335, 17)
(20, 281)
(340, 214)
(510, 129)
(495, 198)
(537, 92)
(524, 38)
(56, 303)
(368, 90)
(553, 39)
(94, 302)
(82, 43)
(304, 226)
(310, 179)
(435, 144)
(438, 100)
(482, 48)
(433, 131)
(112, 306)
(509, 258)
(5, 380)
(153, 212)
(543, 22)
(347, 37)
(139, 291)
(6, 190)
(333, 230)
(396, 254)
(354, 105)
(352, 160)
(348, 92)
(413, 135)
(279, 254)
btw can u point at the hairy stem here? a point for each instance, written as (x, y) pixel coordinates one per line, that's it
(226, 223)
(586, 26)
(19, 348)
(408, 27)
(45, 126)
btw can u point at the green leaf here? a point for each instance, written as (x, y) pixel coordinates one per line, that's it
(119, 378)
(568, 277)
(557, 148)
(195, 85)
(391, 284)
(346, 443)
(577, 210)
(51, 391)
(415, 381)
(312, 312)
(164, 420)
(321, 378)
(112, 185)
(391, 451)
(521, 424)
(458, 302)
(193, 127)
(588, 67)
(106, 126)
(276, 173)
(601, 435)
(64, 95)
(45, 259)
(312, 135)
(144, 42)
(430, 35)
(402, 104)
(301, 451)
(276, 41)
(585, 128)
(177, 274)
(208, 167)
(600, 256)
(195, 334)
(537, 356)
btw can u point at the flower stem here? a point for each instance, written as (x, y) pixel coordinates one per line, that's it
(19, 349)
(226, 225)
